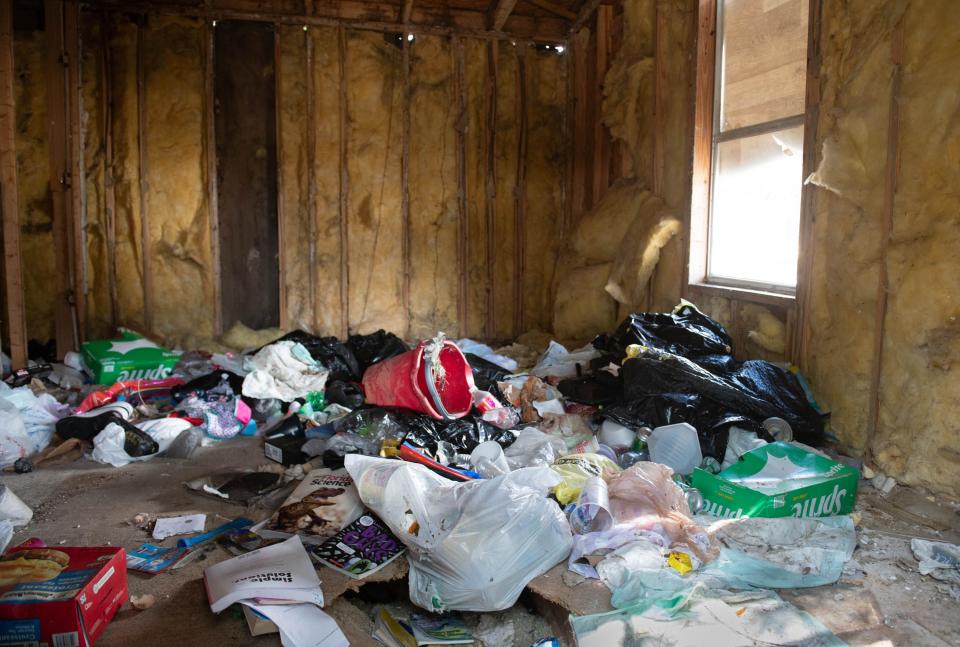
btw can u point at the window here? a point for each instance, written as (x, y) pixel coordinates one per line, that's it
(750, 135)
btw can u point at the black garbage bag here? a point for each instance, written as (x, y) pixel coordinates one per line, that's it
(463, 435)
(375, 347)
(600, 388)
(686, 332)
(347, 394)
(760, 391)
(711, 421)
(486, 374)
(335, 356)
(200, 385)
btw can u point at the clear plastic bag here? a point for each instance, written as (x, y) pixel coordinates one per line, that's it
(26, 422)
(473, 546)
(533, 447)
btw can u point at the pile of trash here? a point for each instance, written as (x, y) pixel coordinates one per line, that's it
(652, 460)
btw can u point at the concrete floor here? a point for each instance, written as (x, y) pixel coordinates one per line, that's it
(884, 603)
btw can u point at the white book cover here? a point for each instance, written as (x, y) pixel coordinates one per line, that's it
(282, 571)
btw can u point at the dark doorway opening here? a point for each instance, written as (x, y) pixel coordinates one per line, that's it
(245, 126)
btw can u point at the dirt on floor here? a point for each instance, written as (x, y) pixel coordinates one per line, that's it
(881, 600)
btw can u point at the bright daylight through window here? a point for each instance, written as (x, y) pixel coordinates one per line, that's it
(757, 160)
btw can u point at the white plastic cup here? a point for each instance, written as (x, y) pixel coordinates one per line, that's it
(488, 459)
(676, 446)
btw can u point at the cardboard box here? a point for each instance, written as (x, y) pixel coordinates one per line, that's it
(779, 480)
(69, 609)
(131, 357)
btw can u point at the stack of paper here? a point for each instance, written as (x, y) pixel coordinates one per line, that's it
(279, 582)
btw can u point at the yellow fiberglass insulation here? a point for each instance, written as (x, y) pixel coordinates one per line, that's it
(914, 438)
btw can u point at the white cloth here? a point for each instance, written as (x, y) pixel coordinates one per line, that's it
(284, 371)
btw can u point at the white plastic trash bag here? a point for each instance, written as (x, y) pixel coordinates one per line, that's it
(108, 444)
(27, 422)
(557, 361)
(473, 546)
(12, 509)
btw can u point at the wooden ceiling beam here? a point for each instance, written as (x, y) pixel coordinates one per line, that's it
(499, 12)
(363, 16)
(585, 13)
(555, 9)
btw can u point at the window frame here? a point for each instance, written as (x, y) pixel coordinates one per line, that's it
(707, 136)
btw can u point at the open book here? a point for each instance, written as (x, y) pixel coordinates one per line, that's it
(281, 572)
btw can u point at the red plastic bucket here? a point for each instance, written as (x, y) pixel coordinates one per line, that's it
(401, 381)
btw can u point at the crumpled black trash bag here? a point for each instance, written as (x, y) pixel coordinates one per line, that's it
(710, 420)
(757, 389)
(347, 394)
(601, 388)
(486, 374)
(137, 442)
(686, 332)
(200, 385)
(335, 356)
(375, 347)
(463, 434)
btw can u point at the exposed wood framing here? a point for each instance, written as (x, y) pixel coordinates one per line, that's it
(281, 223)
(660, 89)
(110, 201)
(77, 243)
(213, 199)
(555, 9)
(585, 13)
(566, 216)
(490, 172)
(407, 13)
(405, 185)
(460, 85)
(500, 10)
(144, 185)
(56, 73)
(798, 341)
(691, 89)
(892, 174)
(582, 132)
(601, 138)
(519, 196)
(311, 177)
(696, 254)
(12, 262)
(438, 21)
(344, 186)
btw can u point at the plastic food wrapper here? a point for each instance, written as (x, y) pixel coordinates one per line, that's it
(486, 353)
(473, 545)
(645, 496)
(754, 553)
(558, 362)
(532, 448)
(575, 469)
(27, 422)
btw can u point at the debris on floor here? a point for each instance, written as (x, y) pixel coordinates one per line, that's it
(647, 487)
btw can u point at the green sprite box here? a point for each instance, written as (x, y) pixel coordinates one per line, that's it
(131, 357)
(779, 480)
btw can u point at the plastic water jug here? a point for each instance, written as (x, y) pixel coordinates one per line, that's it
(676, 446)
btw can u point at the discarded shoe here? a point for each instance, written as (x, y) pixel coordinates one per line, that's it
(86, 426)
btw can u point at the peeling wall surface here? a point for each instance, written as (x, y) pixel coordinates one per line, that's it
(406, 199)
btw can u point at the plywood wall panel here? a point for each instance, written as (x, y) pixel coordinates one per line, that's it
(374, 104)
(432, 186)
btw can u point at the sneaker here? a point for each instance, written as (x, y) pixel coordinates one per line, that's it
(86, 426)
